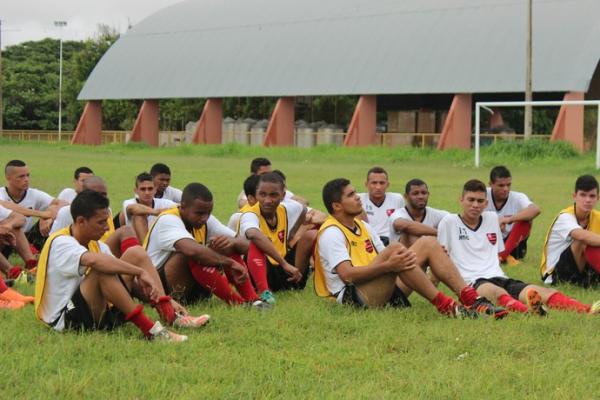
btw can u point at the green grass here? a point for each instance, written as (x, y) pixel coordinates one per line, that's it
(307, 347)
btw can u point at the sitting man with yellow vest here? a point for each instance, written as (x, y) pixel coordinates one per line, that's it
(271, 225)
(196, 255)
(81, 285)
(352, 266)
(572, 247)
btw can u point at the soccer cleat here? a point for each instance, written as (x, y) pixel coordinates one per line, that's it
(267, 297)
(188, 321)
(11, 304)
(483, 306)
(534, 303)
(595, 308)
(260, 305)
(162, 334)
(511, 261)
(11, 294)
(462, 312)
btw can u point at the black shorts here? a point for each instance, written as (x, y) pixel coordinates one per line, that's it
(385, 240)
(78, 316)
(7, 251)
(117, 221)
(35, 237)
(351, 297)
(514, 287)
(184, 296)
(566, 271)
(277, 277)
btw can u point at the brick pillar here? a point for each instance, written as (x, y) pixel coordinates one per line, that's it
(456, 132)
(569, 122)
(145, 128)
(89, 127)
(280, 131)
(362, 128)
(209, 128)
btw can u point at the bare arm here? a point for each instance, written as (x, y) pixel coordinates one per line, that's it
(15, 220)
(201, 254)
(413, 228)
(109, 265)
(26, 211)
(140, 209)
(526, 214)
(587, 237)
(300, 200)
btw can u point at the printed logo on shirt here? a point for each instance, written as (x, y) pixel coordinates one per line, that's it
(492, 238)
(389, 211)
(368, 246)
(462, 233)
(281, 236)
(353, 243)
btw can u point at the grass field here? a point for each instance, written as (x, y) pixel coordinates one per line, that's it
(307, 347)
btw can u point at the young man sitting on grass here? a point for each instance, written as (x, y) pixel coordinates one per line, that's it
(572, 247)
(80, 175)
(353, 267)
(473, 239)
(195, 254)
(81, 285)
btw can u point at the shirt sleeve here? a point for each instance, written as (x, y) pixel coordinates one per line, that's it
(248, 221)
(294, 210)
(4, 213)
(443, 235)
(63, 219)
(214, 227)
(169, 229)
(564, 225)
(332, 248)
(65, 256)
(523, 201)
(42, 200)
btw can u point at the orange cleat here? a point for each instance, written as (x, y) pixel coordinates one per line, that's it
(11, 294)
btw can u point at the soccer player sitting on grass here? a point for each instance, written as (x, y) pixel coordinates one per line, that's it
(353, 267)
(161, 176)
(415, 219)
(12, 238)
(473, 239)
(140, 211)
(516, 213)
(572, 246)
(270, 225)
(250, 191)
(81, 285)
(191, 250)
(80, 175)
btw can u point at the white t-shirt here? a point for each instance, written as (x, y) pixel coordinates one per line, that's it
(250, 220)
(4, 213)
(333, 251)
(559, 239)
(63, 275)
(378, 216)
(67, 195)
(474, 252)
(64, 219)
(234, 220)
(157, 204)
(169, 229)
(172, 194)
(515, 202)
(432, 218)
(33, 199)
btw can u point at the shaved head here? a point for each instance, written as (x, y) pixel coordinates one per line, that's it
(96, 184)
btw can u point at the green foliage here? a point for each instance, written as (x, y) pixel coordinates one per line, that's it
(531, 149)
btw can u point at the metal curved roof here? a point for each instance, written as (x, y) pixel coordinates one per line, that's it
(238, 48)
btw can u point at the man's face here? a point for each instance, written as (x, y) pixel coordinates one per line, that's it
(94, 227)
(263, 169)
(473, 204)
(197, 213)
(17, 178)
(145, 191)
(269, 195)
(350, 203)
(417, 197)
(78, 183)
(377, 184)
(501, 188)
(161, 182)
(586, 200)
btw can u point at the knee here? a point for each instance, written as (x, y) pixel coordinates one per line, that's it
(135, 255)
(428, 241)
(397, 246)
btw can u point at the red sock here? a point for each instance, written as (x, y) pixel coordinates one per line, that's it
(3, 286)
(246, 290)
(562, 302)
(31, 264)
(129, 242)
(14, 272)
(140, 320)
(257, 267)
(212, 279)
(443, 303)
(592, 256)
(519, 232)
(511, 304)
(165, 309)
(468, 295)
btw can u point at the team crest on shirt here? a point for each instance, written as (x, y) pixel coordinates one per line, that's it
(281, 236)
(389, 211)
(492, 238)
(369, 246)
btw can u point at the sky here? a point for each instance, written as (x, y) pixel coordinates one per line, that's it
(24, 20)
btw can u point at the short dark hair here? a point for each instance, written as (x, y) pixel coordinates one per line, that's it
(377, 170)
(280, 173)
(143, 177)
(474, 185)
(257, 163)
(498, 172)
(332, 192)
(586, 183)
(87, 203)
(82, 170)
(194, 191)
(14, 163)
(413, 182)
(271, 177)
(250, 185)
(160, 168)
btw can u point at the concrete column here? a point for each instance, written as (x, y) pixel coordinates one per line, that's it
(457, 129)
(363, 126)
(569, 122)
(145, 128)
(209, 128)
(89, 127)
(280, 131)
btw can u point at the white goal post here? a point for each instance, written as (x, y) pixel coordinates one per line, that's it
(488, 104)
